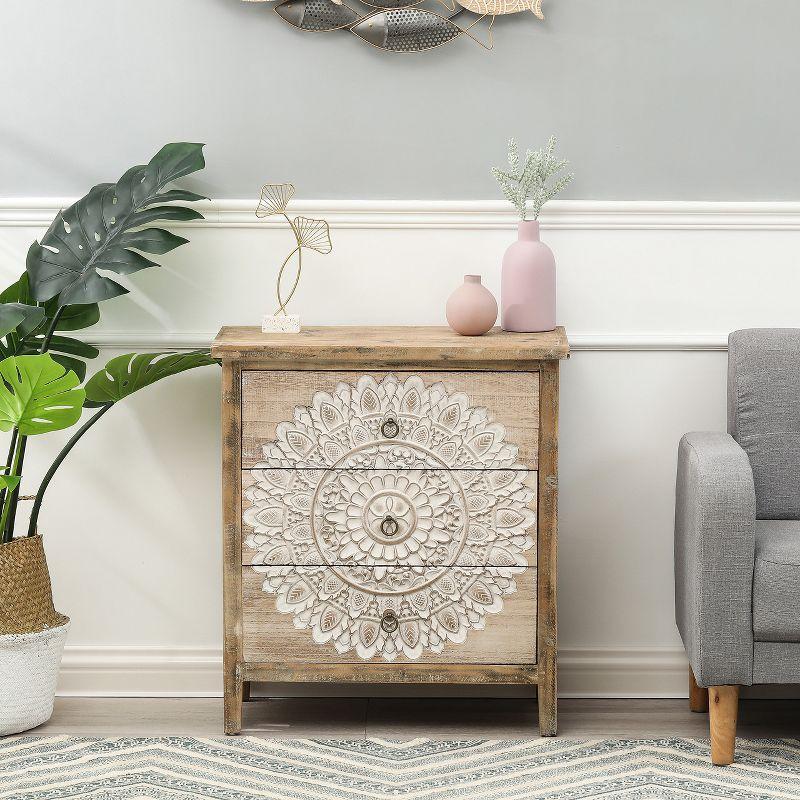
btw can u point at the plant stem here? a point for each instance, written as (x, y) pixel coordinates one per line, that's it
(5, 527)
(13, 445)
(23, 440)
(57, 463)
(13, 497)
(51, 330)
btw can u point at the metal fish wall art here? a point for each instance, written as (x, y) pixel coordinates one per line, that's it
(388, 4)
(496, 7)
(317, 15)
(406, 30)
(402, 26)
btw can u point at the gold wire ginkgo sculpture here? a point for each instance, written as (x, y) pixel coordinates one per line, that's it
(309, 234)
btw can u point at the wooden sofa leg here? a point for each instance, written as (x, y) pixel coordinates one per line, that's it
(698, 696)
(723, 709)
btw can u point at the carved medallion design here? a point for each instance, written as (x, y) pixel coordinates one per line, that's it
(403, 513)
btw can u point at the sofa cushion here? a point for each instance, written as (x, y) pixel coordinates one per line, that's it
(776, 581)
(764, 414)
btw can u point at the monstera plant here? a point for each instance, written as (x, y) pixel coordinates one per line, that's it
(42, 367)
(43, 388)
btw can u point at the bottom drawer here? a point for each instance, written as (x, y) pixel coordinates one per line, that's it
(347, 614)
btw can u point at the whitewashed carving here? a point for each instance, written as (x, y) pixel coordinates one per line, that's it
(390, 500)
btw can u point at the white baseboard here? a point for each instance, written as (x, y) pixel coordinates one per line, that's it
(622, 672)
(197, 672)
(140, 672)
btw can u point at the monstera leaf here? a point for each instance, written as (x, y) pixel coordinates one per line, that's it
(9, 481)
(37, 395)
(102, 231)
(127, 374)
(26, 338)
(72, 318)
(18, 315)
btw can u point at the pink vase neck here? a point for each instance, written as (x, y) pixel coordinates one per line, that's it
(529, 230)
(472, 279)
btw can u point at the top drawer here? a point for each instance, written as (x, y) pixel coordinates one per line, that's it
(351, 420)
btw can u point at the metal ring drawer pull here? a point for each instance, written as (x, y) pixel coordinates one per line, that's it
(389, 526)
(389, 621)
(390, 428)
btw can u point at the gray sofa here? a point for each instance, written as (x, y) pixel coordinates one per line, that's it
(737, 534)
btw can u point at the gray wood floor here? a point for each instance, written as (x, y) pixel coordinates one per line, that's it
(403, 718)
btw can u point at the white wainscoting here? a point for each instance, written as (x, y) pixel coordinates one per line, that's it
(648, 292)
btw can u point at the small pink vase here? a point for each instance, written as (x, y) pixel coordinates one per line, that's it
(471, 309)
(528, 283)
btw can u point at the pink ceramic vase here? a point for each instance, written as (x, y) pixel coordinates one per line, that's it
(471, 309)
(528, 283)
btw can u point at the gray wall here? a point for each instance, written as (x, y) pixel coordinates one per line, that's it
(689, 99)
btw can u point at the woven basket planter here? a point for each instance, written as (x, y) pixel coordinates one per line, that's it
(32, 636)
(26, 599)
(29, 665)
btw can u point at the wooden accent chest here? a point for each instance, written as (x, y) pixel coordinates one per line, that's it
(389, 508)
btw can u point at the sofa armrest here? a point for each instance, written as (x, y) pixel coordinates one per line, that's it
(715, 515)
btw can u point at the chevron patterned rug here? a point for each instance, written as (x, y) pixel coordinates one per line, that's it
(34, 768)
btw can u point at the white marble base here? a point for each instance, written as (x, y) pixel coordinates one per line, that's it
(281, 323)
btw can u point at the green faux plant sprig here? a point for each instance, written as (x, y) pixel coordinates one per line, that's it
(529, 180)
(42, 370)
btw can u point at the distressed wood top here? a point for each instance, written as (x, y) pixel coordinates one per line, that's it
(397, 344)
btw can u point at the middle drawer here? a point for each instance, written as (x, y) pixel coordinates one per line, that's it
(385, 517)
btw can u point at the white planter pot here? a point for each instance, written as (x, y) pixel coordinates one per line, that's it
(29, 665)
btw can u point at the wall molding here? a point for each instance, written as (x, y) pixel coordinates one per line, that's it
(197, 672)
(579, 342)
(572, 215)
(663, 342)
(465, 214)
